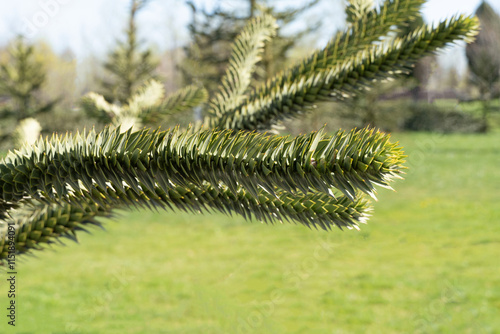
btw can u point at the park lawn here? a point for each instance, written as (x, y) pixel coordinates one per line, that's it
(427, 262)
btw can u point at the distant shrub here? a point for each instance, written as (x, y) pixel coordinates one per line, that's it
(428, 117)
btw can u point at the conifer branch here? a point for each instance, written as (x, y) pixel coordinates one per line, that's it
(246, 52)
(96, 106)
(273, 102)
(89, 167)
(62, 185)
(38, 225)
(358, 9)
(148, 106)
(369, 27)
(179, 101)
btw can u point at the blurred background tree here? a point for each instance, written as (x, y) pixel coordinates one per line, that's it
(22, 75)
(128, 67)
(484, 57)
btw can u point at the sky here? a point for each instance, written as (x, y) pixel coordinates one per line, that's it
(92, 26)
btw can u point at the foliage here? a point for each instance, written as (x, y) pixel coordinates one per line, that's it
(316, 179)
(418, 77)
(130, 68)
(340, 70)
(21, 78)
(476, 108)
(246, 52)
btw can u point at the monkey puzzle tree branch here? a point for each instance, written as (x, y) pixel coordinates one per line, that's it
(366, 27)
(273, 102)
(39, 224)
(179, 101)
(83, 165)
(246, 52)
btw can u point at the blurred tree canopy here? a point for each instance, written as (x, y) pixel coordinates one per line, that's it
(128, 66)
(22, 76)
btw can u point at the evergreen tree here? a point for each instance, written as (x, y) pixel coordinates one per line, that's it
(212, 34)
(128, 66)
(133, 99)
(483, 56)
(21, 79)
(61, 185)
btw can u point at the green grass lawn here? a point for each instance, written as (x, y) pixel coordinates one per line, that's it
(427, 262)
